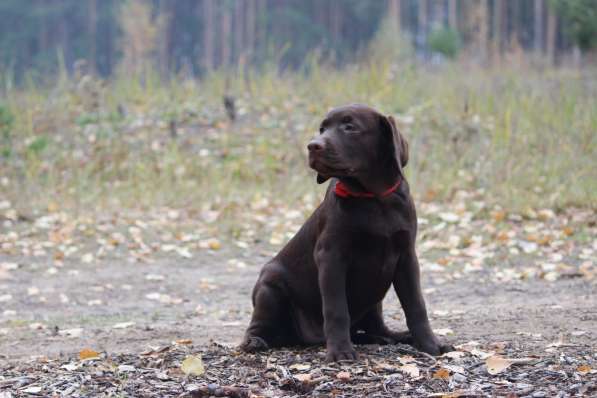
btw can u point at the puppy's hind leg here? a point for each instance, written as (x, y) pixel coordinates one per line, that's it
(371, 329)
(271, 324)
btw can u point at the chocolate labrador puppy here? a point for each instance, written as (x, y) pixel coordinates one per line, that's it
(327, 284)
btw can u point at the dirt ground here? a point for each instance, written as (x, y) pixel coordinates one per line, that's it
(174, 306)
(205, 299)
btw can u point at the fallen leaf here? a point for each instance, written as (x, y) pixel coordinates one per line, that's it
(449, 217)
(32, 291)
(88, 353)
(584, 369)
(5, 297)
(32, 390)
(384, 367)
(37, 326)
(568, 231)
(214, 244)
(4, 275)
(343, 375)
(154, 277)
(498, 215)
(452, 394)
(454, 354)
(75, 332)
(481, 354)
(300, 366)
(443, 374)
(126, 368)
(9, 266)
(496, 364)
(410, 369)
(455, 369)
(70, 367)
(193, 365)
(443, 332)
(183, 341)
(406, 359)
(123, 325)
(303, 377)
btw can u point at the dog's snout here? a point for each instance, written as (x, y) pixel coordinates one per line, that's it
(316, 145)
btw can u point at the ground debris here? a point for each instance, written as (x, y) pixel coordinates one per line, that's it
(298, 372)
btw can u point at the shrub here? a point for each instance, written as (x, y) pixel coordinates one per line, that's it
(445, 41)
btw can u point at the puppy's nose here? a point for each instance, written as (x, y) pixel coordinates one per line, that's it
(316, 146)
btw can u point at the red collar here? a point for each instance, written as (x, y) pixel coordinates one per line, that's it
(342, 190)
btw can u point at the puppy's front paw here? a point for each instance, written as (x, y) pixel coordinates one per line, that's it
(446, 348)
(341, 353)
(434, 347)
(253, 344)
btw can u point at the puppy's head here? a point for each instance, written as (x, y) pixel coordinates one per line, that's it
(359, 142)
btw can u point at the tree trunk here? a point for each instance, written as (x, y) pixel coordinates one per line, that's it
(250, 27)
(208, 36)
(64, 42)
(452, 14)
(422, 23)
(498, 19)
(335, 21)
(261, 33)
(239, 34)
(538, 26)
(225, 34)
(514, 34)
(484, 37)
(92, 26)
(164, 28)
(394, 14)
(551, 35)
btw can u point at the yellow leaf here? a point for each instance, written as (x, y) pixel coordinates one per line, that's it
(442, 373)
(498, 215)
(214, 244)
(584, 369)
(544, 240)
(184, 341)
(52, 207)
(58, 255)
(430, 195)
(452, 394)
(88, 353)
(193, 365)
(343, 375)
(503, 236)
(496, 364)
(568, 231)
(443, 261)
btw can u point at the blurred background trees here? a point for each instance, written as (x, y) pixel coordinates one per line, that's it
(192, 36)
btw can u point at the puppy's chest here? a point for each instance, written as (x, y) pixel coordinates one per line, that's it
(371, 267)
(374, 251)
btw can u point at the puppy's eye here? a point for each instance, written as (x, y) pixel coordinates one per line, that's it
(349, 128)
(321, 130)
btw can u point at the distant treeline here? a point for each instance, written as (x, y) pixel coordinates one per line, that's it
(37, 37)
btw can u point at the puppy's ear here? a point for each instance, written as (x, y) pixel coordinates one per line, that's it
(403, 143)
(399, 142)
(321, 179)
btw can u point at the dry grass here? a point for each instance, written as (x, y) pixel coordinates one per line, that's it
(527, 138)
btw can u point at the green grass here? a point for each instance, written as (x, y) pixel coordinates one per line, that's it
(527, 138)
